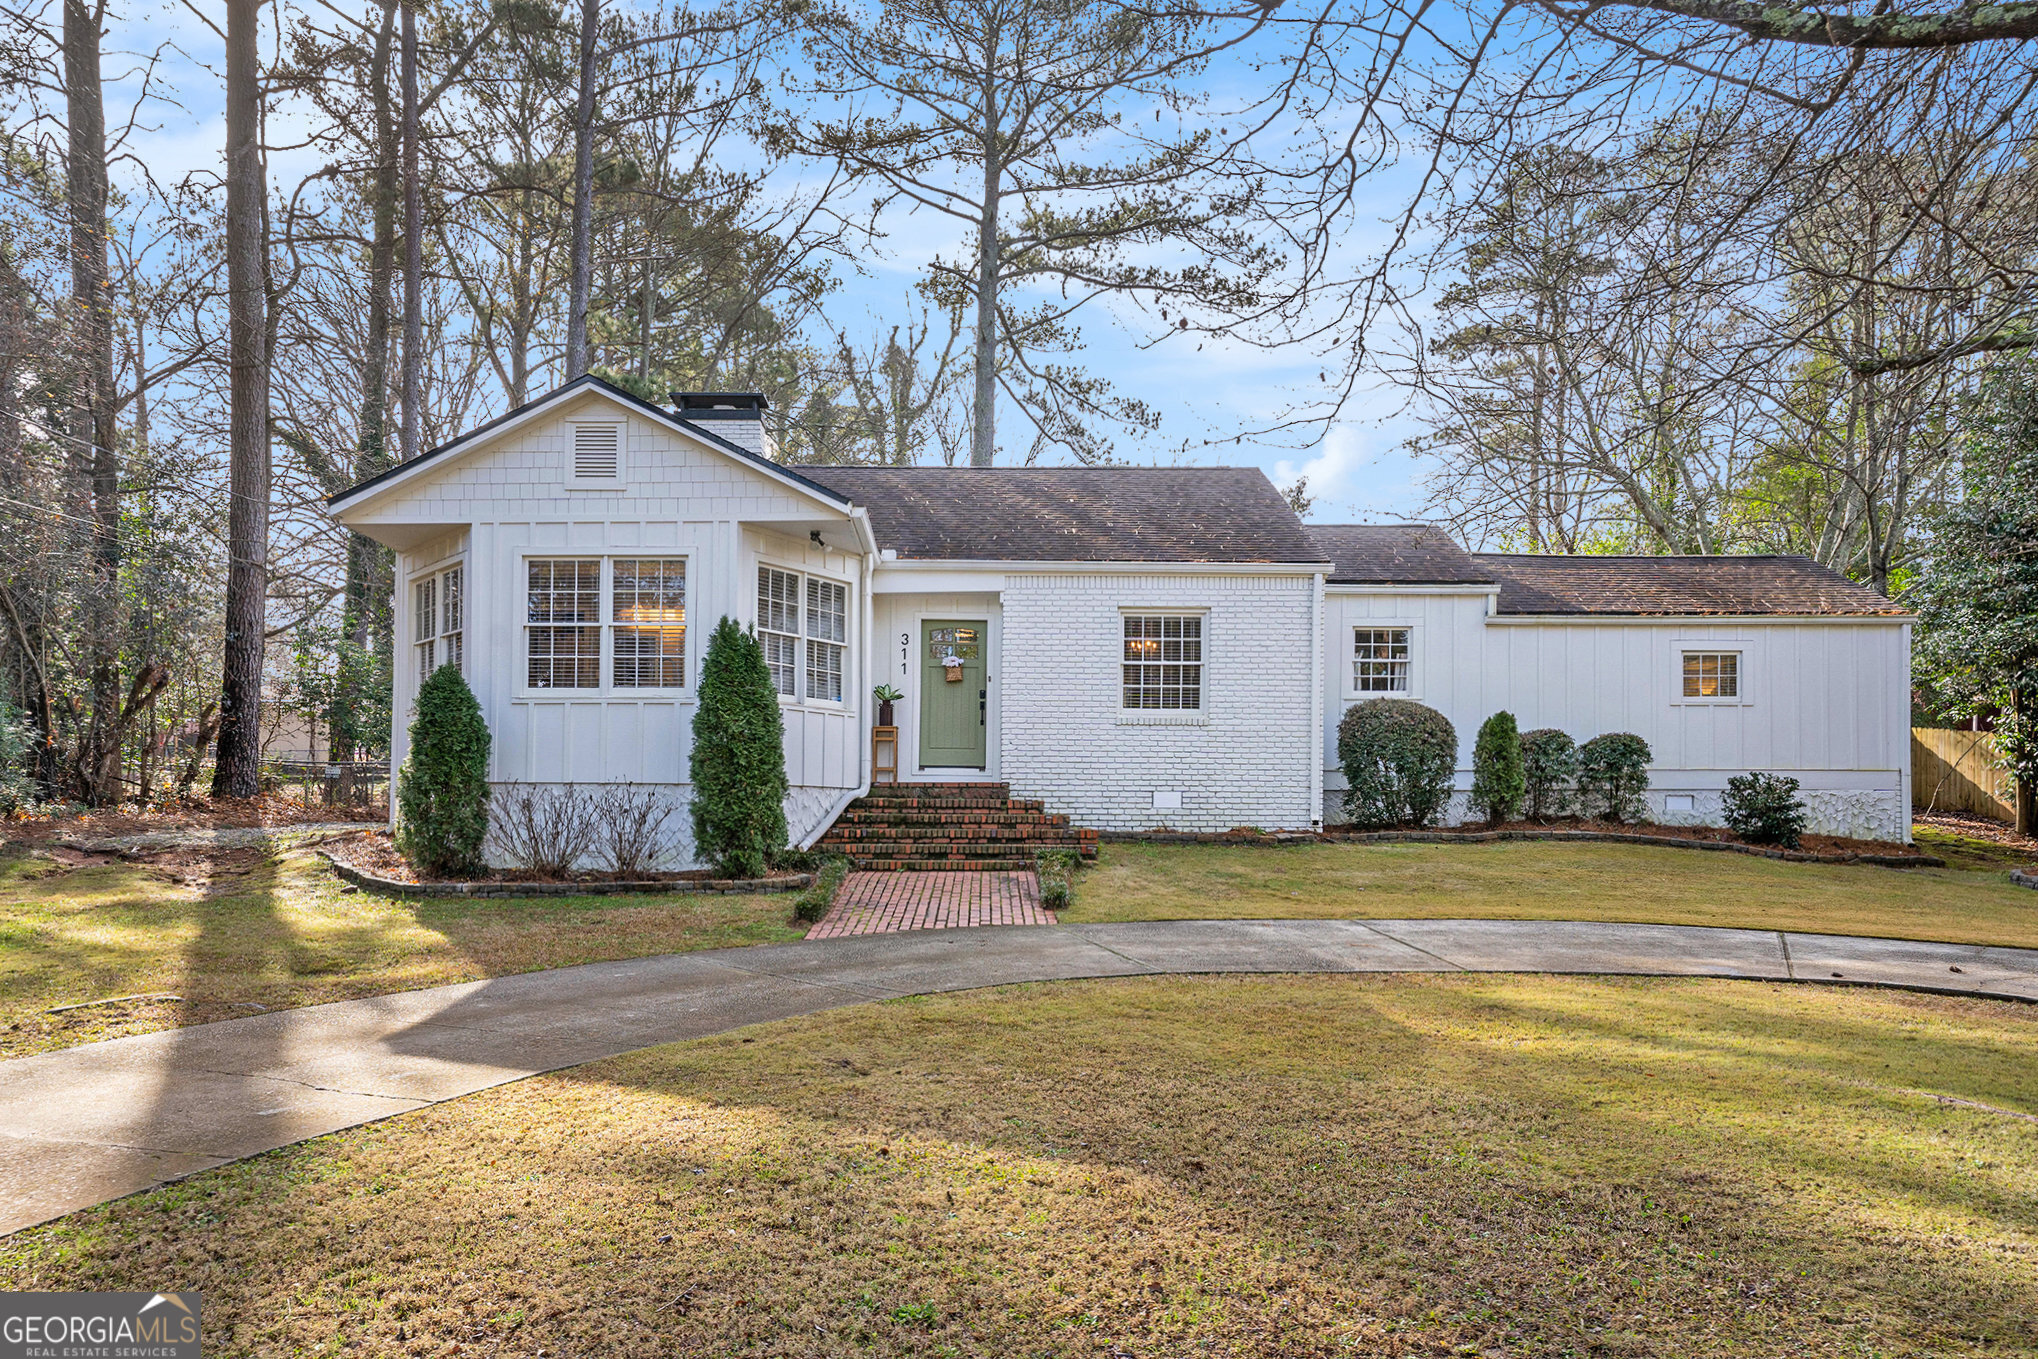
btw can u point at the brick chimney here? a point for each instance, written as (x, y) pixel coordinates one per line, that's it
(735, 416)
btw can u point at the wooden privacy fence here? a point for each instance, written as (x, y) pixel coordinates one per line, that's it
(1955, 771)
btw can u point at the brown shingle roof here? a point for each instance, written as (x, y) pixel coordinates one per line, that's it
(1396, 554)
(1718, 585)
(1075, 514)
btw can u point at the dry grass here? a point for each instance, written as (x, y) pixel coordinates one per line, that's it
(239, 931)
(1212, 1166)
(1971, 903)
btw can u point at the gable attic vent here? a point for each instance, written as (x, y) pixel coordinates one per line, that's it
(597, 452)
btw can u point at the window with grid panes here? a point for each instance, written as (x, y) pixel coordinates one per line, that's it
(562, 631)
(1712, 674)
(647, 608)
(437, 622)
(1163, 661)
(827, 638)
(1380, 660)
(778, 627)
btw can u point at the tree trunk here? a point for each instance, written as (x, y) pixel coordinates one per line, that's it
(983, 440)
(413, 247)
(2023, 790)
(92, 422)
(240, 733)
(582, 280)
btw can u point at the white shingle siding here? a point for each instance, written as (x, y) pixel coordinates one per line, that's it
(1065, 739)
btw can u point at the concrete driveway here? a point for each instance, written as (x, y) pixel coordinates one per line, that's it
(91, 1123)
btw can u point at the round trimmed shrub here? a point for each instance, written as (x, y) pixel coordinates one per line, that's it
(1613, 773)
(1549, 766)
(1764, 809)
(1399, 758)
(1497, 779)
(442, 789)
(738, 760)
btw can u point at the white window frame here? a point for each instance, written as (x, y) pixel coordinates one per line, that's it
(1164, 716)
(801, 633)
(607, 623)
(1348, 660)
(1744, 675)
(1407, 663)
(575, 481)
(434, 645)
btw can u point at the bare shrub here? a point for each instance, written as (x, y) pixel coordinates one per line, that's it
(544, 829)
(632, 825)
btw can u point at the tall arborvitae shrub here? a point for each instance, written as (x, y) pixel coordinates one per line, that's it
(442, 789)
(1398, 758)
(1497, 779)
(1549, 766)
(738, 764)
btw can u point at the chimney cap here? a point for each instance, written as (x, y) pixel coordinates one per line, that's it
(721, 405)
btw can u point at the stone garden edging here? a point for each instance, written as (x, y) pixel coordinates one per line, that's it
(792, 882)
(2025, 877)
(1488, 837)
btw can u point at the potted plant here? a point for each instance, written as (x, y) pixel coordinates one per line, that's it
(886, 696)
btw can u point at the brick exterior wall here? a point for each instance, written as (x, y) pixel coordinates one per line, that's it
(1245, 759)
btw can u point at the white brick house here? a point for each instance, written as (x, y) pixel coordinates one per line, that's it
(1137, 647)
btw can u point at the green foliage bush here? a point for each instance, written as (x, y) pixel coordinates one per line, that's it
(17, 752)
(1399, 758)
(1764, 809)
(1613, 773)
(1498, 782)
(738, 761)
(1058, 877)
(813, 903)
(442, 789)
(1549, 766)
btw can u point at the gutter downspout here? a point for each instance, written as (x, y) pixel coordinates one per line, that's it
(866, 715)
(1317, 700)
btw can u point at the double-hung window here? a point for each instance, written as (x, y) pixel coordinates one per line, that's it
(622, 618)
(1163, 661)
(1380, 660)
(803, 626)
(438, 610)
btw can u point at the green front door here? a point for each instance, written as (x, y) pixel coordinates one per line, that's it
(954, 711)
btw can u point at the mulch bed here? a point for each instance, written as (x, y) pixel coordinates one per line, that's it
(371, 861)
(194, 813)
(1814, 849)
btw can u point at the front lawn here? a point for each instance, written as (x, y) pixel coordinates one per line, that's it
(237, 931)
(1973, 902)
(1168, 1167)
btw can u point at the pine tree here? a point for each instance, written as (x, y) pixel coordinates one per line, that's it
(442, 789)
(1498, 780)
(738, 761)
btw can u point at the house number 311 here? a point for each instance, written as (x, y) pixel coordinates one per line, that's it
(905, 649)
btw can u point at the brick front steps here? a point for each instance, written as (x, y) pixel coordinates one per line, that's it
(950, 827)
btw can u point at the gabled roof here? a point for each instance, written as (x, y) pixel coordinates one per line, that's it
(1679, 586)
(1076, 514)
(1396, 554)
(558, 395)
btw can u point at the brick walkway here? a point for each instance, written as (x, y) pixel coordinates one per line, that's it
(885, 903)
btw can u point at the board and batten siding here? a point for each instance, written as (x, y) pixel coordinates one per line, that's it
(513, 503)
(1246, 758)
(1825, 702)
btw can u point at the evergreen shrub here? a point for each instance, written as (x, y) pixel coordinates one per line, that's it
(442, 789)
(1399, 758)
(1498, 782)
(1549, 766)
(1613, 773)
(738, 761)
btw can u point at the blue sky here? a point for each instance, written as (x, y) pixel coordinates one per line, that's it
(1358, 468)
